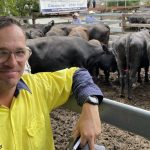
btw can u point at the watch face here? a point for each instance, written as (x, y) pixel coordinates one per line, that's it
(93, 100)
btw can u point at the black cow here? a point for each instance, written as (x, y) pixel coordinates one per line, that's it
(148, 50)
(106, 62)
(131, 55)
(39, 32)
(60, 30)
(99, 32)
(59, 52)
(137, 19)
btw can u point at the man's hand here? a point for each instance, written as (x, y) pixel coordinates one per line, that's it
(89, 125)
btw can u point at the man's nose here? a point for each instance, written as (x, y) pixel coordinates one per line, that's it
(11, 61)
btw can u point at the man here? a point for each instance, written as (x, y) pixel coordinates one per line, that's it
(94, 3)
(90, 19)
(89, 3)
(27, 99)
(75, 19)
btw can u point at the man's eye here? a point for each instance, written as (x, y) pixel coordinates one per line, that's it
(20, 52)
(2, 53)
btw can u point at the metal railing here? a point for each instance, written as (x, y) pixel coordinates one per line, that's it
(126, 117)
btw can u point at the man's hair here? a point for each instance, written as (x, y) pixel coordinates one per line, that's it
(6, 21)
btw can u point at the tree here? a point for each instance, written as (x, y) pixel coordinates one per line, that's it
(122, 3)
(18, 7)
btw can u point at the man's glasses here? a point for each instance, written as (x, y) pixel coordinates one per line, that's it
(20, 55)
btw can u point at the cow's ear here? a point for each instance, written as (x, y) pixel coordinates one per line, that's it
(28, 36)
(52, 22)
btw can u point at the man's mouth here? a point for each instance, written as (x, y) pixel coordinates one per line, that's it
(8, 73)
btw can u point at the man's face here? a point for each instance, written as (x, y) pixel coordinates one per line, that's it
(11, 38)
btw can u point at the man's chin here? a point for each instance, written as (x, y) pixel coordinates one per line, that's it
(10, 81)
(8, 85)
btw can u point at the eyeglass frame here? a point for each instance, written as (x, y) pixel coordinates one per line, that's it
(14, 53)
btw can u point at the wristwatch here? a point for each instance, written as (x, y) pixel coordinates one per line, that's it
(92, 100)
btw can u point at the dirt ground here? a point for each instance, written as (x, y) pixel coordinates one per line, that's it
(112, 137)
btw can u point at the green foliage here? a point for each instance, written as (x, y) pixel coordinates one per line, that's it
(122, 3)
(147, 2)
(18, 7)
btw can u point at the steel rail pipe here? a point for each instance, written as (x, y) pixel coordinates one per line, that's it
(123, 116)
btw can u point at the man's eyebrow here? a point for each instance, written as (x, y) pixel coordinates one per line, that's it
(19, 48)
(3, 48)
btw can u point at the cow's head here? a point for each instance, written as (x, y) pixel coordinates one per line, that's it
(47, 27)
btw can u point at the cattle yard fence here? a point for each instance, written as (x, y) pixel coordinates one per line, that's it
(126, 24)
(123, 116)
(119, 21)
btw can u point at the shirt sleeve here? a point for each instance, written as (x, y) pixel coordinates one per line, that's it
(83, 86)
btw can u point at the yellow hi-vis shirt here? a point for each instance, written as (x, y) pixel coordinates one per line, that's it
(26, 124)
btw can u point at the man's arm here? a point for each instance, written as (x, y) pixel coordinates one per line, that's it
(89, 124)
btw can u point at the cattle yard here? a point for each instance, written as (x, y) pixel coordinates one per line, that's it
(119, 22)
(112, 137)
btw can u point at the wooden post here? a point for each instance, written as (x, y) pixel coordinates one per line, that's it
(123, 22)
(33, 19)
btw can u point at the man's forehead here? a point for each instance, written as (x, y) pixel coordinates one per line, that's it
(11, 29)
(10, 34)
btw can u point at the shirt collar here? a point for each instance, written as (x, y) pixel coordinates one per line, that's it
(21, 85)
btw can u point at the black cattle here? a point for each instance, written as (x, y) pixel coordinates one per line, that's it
(99, 32)
(106, 62)
(60, 30)
(131, 55)
(148, 50)
(59, 52)
(137, 19)
(39, 32)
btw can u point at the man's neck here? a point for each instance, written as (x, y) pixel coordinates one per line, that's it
(6, 97)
